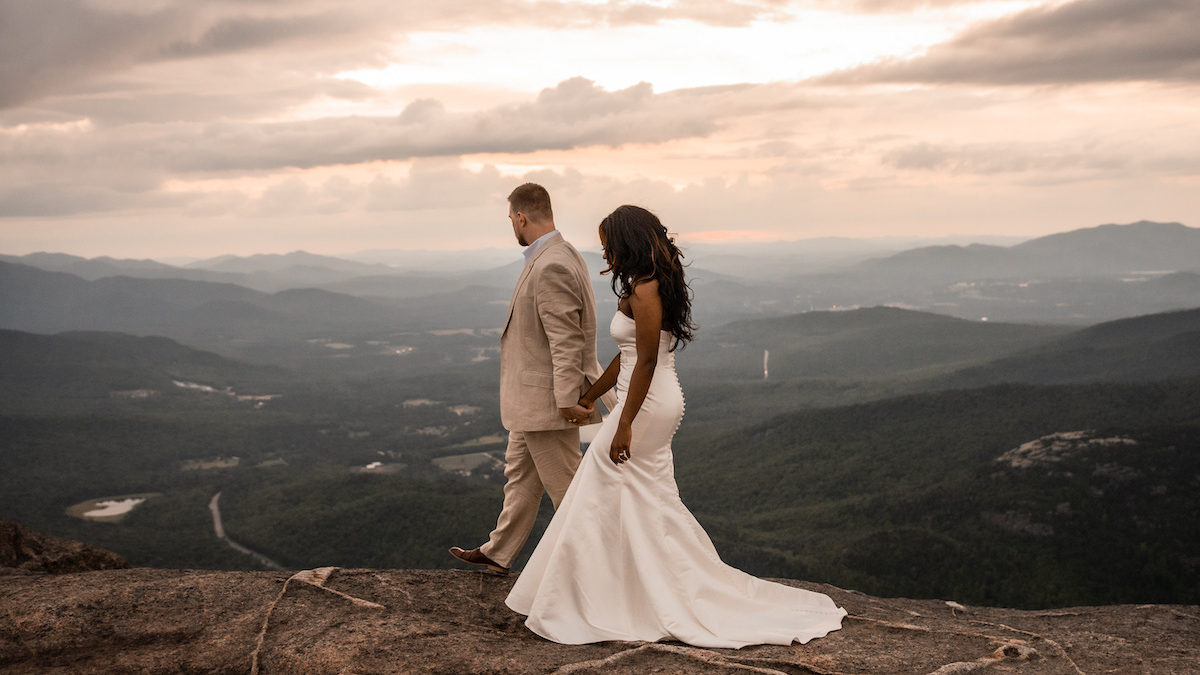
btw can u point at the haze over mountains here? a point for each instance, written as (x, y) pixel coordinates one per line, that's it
(1095, 251)
(347, 411)
(1098, 251)
(1083, 276)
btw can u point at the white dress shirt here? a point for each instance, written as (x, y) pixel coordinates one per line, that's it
(535, 245)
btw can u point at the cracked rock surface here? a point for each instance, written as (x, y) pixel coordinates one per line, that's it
(444, 621)
(66, 607)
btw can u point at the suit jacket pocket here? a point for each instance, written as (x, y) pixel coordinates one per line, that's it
(537, 379)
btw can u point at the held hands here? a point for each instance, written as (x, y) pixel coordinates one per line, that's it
(619, 451)
(578, 413)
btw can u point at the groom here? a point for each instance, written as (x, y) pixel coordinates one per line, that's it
(547, 361)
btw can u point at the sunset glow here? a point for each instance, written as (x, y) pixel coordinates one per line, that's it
(208, 128)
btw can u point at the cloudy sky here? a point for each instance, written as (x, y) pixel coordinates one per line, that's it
(159, 128)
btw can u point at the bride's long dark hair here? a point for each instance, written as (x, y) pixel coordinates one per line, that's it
(637, 248)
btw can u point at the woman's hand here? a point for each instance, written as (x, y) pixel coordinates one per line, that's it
(619, 451)
(577, 414)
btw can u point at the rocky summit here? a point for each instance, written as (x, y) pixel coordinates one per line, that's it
(332, 620)
(23, 551)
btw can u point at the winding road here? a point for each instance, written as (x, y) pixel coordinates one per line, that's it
(219, 528)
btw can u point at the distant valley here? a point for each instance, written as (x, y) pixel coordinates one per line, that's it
(843, 424)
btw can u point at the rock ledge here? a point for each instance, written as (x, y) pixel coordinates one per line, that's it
(23, 551)
(333, 620)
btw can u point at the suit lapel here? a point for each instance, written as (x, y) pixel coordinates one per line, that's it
(556, 238)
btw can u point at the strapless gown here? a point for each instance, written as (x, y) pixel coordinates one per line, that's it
(624, 559)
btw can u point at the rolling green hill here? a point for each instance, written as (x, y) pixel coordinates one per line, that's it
(842, 358)
(874, 342)
(85, 416)
(1015, 495)
(907, 496)
(864, 477)
(1144, 348)
(99, 371)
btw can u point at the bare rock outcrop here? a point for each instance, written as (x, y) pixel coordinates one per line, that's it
(443, 621)
(23, 551)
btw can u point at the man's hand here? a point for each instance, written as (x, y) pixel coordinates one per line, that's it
(578, 413)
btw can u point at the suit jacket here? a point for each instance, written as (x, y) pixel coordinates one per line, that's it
(548, 346)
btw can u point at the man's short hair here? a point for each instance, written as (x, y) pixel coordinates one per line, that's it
(532, 200)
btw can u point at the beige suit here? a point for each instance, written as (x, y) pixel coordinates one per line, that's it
(547, 361)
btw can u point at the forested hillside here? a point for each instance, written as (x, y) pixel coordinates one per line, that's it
(889, 450)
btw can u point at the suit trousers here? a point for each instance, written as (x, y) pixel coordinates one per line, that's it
(535, 461)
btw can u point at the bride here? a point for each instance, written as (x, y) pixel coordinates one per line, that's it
(623, 558)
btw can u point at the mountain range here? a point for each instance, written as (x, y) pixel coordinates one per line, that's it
(774, 279)
(911, 449)
(1104, 251)
(266, 273)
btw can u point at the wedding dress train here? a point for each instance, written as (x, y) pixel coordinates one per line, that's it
(624, 559)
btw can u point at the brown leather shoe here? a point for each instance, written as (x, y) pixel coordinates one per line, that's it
(474, 557)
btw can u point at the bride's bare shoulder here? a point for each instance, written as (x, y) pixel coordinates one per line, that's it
(645, 301)
(644, 289)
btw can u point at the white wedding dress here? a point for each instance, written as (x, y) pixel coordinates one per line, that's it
(623, 558)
